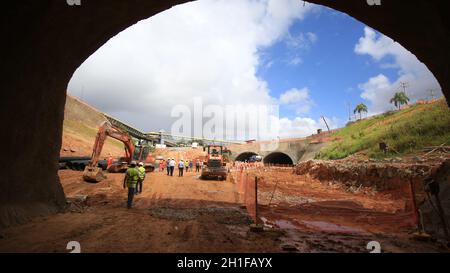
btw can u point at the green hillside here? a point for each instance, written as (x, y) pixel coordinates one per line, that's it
(406, 131)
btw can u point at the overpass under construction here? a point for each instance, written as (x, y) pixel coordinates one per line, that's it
(167, 139)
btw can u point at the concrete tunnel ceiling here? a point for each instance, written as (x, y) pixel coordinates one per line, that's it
(55, 39)
(278, 158)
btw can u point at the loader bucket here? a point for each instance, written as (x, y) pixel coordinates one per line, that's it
(93, 174)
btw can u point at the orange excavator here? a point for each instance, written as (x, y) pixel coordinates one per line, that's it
(92, 173)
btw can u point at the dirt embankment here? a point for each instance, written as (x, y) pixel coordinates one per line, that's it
(303, 201)
(325, 217)
(81, 122)
(400, 179)
(180, 153)
(385, 175)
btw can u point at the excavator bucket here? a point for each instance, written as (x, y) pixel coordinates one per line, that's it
(93, 174)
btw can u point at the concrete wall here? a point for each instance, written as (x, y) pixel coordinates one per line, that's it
(43, 42)
(299, 150)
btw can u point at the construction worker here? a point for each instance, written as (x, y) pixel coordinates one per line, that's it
(168, 165)
(110, 161)
(191, 165)
(130, 181)
(161, 165)
(186, 165)
(172, 166)
(141, 179)
(197, 166)
(180, 168)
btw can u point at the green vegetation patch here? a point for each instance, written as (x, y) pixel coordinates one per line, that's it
(406, 131)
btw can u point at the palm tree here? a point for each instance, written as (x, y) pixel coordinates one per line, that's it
(359, 109)
(399, 99)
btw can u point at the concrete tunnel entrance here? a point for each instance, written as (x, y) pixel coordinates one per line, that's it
(245, 156)
(278, 158)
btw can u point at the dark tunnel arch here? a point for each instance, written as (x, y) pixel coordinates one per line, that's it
(50, 66)
(245, 156)
(278, 158)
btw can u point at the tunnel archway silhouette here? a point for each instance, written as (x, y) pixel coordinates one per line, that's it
(55, 39)
(278, 158)
(245, 156)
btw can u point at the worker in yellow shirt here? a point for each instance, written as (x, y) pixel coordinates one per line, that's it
(141, 178)
(130, 182)
(186, 165)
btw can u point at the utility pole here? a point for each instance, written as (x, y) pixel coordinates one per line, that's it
(431, 91)
(349, 112)
(404, 85)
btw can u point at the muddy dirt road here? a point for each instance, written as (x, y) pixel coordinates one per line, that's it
(185, 215)
(171, 215)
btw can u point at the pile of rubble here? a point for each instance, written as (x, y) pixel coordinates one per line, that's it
(379, 175)
(77, 204)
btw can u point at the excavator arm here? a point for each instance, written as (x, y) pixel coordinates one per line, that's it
(94, 174)
(107, 130)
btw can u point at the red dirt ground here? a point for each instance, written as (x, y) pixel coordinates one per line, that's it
(191, 215)
(312, 205)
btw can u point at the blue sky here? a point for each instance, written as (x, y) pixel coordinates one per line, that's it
(330, 68)
(308, 59)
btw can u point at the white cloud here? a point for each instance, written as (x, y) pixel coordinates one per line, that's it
(207, 49)
(294, 96)
(302, 41)
(301, 127)
(296, 60)
(312, 37)
(297, 44)
(379, 89)
(298, 99)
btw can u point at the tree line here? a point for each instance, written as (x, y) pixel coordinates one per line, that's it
(399, 99)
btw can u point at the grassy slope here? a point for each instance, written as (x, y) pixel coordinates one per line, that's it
(82, 121)
(80, 129)
(407, 131)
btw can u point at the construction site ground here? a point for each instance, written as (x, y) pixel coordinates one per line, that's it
(187, 214)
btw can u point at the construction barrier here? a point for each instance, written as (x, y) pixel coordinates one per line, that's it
(271, 165)
(247, 187)
(260, 166)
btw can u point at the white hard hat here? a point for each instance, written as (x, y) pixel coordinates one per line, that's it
(141, 164)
